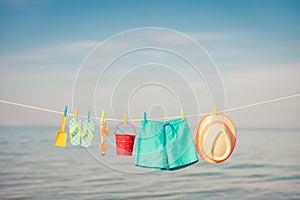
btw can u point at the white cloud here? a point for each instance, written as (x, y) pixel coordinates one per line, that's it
(212, 36)
(24, 57)
(115, 44)
(74, 47)
(46, 53)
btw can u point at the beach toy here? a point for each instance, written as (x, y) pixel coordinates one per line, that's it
(124, 142)
(215, 138)
(103, 145)
(61, 135)
(75, 129)
(87, 133)
(104, 132)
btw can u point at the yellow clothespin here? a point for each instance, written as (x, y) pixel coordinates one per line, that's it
(76, 113)
(102, 117)
(215, 109)
(125, 119)
(182, 114)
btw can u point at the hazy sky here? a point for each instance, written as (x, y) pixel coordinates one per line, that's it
(255, 44)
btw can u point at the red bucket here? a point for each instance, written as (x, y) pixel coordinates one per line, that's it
(124, 142)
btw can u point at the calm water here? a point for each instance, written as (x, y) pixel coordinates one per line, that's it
(265, 165)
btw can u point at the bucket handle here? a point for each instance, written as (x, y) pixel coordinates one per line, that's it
(118, 126)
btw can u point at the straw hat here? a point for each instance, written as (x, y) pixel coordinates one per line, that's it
(215, 138)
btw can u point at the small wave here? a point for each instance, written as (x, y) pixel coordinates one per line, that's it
(248, 166)
(283, 178)
(206, 174)
(257, 176)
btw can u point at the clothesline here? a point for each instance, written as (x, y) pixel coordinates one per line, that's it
(162, 118)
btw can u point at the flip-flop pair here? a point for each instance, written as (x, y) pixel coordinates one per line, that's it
(84, 135)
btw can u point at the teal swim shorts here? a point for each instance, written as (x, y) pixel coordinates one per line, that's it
(165, 145)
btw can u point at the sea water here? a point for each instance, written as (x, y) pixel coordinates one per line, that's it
(264, 165)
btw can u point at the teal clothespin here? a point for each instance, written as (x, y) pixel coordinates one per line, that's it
(65, 111)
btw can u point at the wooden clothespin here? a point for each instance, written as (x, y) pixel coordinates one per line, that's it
(125, 119)
(102, 117)
(215, 110)
(182, 114)
(76, 113)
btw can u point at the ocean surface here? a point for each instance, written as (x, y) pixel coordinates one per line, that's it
(264, 165)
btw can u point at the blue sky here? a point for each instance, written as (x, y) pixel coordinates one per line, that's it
(255, 44)
(27, 22)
